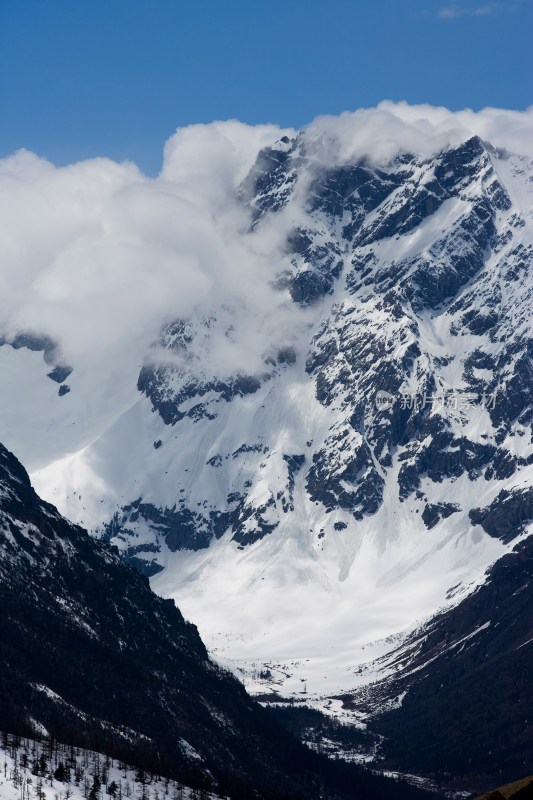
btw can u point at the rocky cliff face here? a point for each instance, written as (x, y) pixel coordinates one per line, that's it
(419, 274)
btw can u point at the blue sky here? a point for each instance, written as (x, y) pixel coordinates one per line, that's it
(81, 78)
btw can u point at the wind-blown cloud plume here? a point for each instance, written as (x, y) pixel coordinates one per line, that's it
(99, 256)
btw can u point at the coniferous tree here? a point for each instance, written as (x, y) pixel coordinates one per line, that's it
(94, 794)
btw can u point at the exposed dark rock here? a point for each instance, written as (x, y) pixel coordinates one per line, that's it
(273, 177)
(249, 523)
(60, 374)
(507, 514)
(152, 382)
(314, 273)
(40, 343)
(442, 456)
(434, 512)
(294, 465)
(356, 470)
(37, 343)
(178, 527)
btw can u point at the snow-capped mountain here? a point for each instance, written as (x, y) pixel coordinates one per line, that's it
(313, 472)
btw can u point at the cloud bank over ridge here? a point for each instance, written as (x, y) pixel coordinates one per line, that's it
(98, 256)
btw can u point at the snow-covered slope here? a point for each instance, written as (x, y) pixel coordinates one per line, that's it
(50, 770)
(313, 464)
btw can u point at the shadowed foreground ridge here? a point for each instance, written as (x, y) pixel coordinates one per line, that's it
(90, 653)
(466, 717)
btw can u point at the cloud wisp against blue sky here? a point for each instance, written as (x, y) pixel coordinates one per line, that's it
(467, 8)
(455, 11)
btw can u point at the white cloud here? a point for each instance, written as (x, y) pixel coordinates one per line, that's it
(454, 11)
(486, 11)
(99, 256)
(449, 12)
(381, 133)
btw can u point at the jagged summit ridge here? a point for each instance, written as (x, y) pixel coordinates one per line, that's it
(409, 241)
